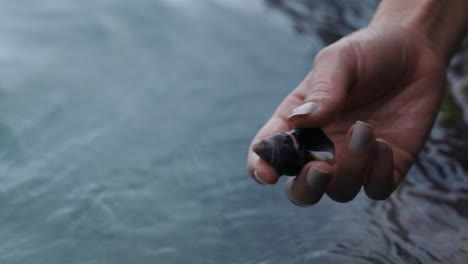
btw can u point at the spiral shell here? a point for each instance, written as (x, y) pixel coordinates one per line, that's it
(288, 152)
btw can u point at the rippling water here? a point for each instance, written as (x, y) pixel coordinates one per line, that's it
(124, 128)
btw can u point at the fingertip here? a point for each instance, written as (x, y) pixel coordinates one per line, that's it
(320, 165)
(318, 117)
(257, 178)
(303, 110)
(251, 160)
(289, 192)
(308, 188)
(318, 180)
(301, 115)
(379, 183)
(383, 151)
(266, 173)
(261, 171)
(361, 135)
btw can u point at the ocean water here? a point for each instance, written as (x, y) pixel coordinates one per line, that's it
(124, 127)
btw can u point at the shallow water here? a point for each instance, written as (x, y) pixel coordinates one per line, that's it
(124, 129)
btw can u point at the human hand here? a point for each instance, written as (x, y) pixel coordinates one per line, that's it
(385, 75)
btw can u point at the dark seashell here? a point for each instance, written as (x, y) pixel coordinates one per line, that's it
(288, 152)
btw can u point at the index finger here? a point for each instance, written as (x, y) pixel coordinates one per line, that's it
(257, 168)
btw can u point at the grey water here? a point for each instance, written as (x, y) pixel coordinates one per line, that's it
(124, 127)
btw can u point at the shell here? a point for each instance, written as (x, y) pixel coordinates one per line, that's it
(288, 152)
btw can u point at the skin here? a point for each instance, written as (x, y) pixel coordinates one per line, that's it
(391, 75)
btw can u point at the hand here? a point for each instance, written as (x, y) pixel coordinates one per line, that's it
(385, 75)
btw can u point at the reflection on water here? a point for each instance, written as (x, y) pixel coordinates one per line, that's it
(124, 126)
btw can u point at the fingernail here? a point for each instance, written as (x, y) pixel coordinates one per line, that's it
(317, 179)
(304, 109)
(362, 135)
(381, 150)
(288, 190)
(257, 178)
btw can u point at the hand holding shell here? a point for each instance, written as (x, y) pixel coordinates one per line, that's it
(288, 152)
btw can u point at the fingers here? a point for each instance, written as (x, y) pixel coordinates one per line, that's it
(316, 177)
(257, 168)
(380, 179)
(324, 89)
(309, 187)
(363, 161)
(314, 103)
(352, 163)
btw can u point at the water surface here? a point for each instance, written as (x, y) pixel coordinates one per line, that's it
(124, 128)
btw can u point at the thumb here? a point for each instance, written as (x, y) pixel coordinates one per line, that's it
(325, 88)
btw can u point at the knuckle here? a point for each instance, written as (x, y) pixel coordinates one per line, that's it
(340, 51)
(320, 89)
(324, 54)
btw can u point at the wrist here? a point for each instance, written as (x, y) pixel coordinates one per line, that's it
(442, 24)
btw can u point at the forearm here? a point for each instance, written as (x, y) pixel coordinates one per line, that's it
(443, 22)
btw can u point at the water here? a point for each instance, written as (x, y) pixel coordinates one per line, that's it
(124, 128)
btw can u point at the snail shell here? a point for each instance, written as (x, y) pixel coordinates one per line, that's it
(288, 152)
